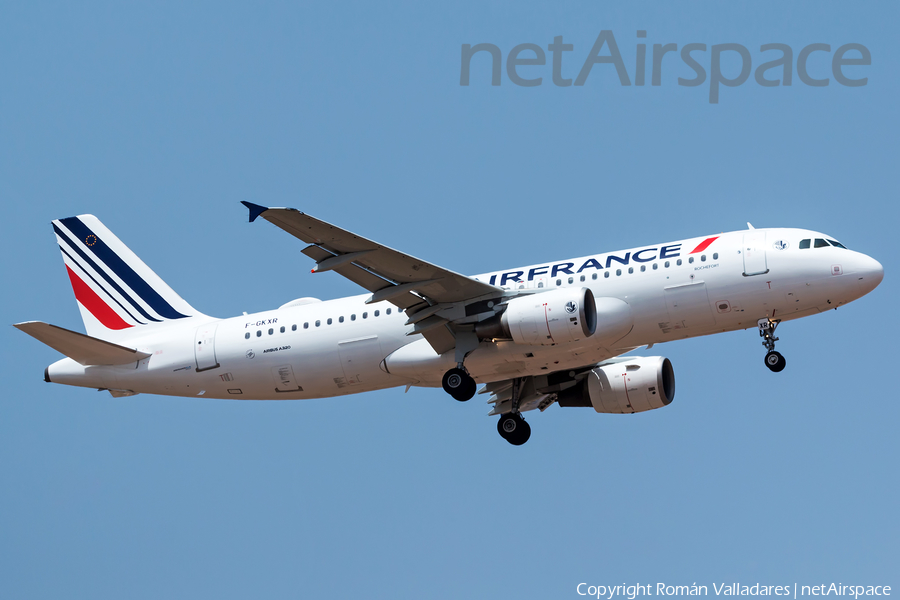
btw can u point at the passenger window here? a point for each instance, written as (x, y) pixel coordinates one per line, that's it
(387, 312)
(271, 331)
(630, 270)
(377, 313)
(820, 243)
(353, 317)
(282, 329)
(341, 319)
(678, 262)
(643, 268)
(702, 258)
(247, 336)
(667, 264)
(618, 271)
(691, 260)
(804, 244)
(571, 279)
(318, 323)
(655, 266)
(293, 328)
(837, 244)
(606, 273)
(259, 333)
(559, 282)
(582, 278)
(715, 256)
(306, 325)
(594, 277)
(329, 321)
(365, 315)
(540, 284)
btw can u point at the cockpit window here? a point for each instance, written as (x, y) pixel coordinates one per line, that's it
(804, 244)
(820, 243)
(837, 244)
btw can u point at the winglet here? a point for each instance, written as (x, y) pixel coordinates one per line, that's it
(255, 209)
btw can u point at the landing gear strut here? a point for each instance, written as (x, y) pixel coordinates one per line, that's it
(459, 384)
(774, 360)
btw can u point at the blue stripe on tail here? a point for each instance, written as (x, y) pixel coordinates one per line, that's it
(81, 253)
(121, 269)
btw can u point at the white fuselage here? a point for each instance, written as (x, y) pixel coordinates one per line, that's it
(344, 346)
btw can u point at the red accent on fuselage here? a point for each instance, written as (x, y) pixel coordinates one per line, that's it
(95, 304)
(704, 245)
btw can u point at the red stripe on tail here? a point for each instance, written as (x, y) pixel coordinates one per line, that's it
(95, 304)
(704, 245)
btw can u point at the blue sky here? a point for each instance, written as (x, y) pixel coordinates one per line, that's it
(160, 117)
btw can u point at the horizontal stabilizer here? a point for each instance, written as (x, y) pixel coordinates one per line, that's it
(81, 348)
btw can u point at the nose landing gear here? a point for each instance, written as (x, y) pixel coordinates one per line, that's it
(774, 360)
(459, 384)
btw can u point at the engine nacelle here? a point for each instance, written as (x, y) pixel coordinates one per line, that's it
(629, 386)
(553, 317)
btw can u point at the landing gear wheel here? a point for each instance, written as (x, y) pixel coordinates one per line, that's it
(775, 361)
(513, 429)
(459, 384)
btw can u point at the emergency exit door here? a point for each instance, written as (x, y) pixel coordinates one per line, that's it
(205, 347)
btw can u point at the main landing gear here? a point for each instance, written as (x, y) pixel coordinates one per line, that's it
(459, 384)
(513, 428)
(774, 360)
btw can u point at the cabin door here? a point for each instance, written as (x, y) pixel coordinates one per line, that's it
(754, 251)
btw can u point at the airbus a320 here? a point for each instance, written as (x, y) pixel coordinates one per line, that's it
(534, 336)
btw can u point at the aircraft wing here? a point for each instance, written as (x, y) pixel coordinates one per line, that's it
(401, 279)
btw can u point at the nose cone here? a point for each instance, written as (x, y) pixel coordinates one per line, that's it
(869, 274)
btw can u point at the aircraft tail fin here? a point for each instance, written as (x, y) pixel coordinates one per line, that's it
(117, 293)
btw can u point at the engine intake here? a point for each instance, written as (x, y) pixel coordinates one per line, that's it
(635, 385)
(553, 317)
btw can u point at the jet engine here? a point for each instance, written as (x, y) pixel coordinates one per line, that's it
(629, 386)
(553, 317)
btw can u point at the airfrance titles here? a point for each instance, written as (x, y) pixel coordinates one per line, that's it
(592, 262)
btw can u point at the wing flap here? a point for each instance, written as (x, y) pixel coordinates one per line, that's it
(84, 349)
(374, 283)
(441, 339)
(316, 253)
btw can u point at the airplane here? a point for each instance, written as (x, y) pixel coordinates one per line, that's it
(555, 332)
